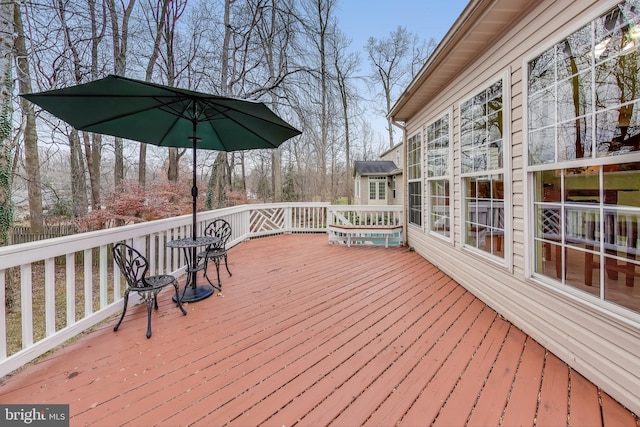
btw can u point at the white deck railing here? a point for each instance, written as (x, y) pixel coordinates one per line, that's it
(63, 286)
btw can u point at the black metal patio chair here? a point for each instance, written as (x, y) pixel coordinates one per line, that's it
(134, 267)
(222, 230)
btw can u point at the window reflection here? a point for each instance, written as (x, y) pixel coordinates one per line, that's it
(587, 234)
(440, 202)
(438, 174)
(601, 59)
(484, 222)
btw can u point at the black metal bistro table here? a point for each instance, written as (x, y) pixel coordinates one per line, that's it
(192, 291)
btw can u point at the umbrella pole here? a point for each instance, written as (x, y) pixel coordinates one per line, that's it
(194, 189)
(194, 197)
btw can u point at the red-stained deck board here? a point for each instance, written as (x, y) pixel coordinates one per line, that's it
(304, 394)
(307, 333)
(314, 365)
(263, 371)
(584, 407)
(365, 377)
(553, 408)
(408, 379)
(437, 388)
(320, 355)
(357, 377)
(458, 406)
(522, 404)
(222, 359)
(613, 414)
(494, 396)
(381, 327)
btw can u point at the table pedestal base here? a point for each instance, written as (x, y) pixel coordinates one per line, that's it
(199, 293)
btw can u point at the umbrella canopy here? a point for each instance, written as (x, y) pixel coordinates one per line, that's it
(166, 116)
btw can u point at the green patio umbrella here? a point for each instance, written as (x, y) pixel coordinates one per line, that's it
(166, 116)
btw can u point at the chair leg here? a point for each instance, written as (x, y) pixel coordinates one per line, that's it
(149, 310)
(216, 260)
(178, 300)
(227, 265)
(124, 310)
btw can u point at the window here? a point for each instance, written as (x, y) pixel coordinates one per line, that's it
(438, 175)
(583, 134)
(415, 202)
(414, 176)
(393, 186)
(482, 170)
(377, 188)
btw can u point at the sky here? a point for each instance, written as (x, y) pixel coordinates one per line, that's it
(361, 19)
(378, 18)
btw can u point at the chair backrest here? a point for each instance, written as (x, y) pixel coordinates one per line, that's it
(132, 264)
(220, 229)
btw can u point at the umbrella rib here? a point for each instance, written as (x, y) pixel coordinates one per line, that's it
(180, 114)
(239, 123)
(169, 108)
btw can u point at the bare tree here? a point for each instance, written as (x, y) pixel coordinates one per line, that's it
(120, 38)
(158, 15)
(6, 112)
(394, 62)
(32, 158)
(93, 142)
(169, 31)
(78, 177)
(220, 167)
(345, 66)
(320, 25)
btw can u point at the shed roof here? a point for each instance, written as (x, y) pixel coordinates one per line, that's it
(375, 167)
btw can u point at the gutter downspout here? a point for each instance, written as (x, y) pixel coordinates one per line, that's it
(404, 179)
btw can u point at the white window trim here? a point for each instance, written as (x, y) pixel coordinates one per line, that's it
(597, 304)
(507, 140)
(420, 131)
(427, 187)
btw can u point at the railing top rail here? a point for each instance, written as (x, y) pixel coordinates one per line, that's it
(24, 253)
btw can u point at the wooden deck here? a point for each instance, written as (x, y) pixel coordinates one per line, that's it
(307, 333)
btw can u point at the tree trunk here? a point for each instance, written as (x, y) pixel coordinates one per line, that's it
(93, 155)
(323, 23)
(93, 142)
(216, 187)
(31, 156)
(78, 179)
(120, 40)
(172, 170)
(6, 111)
(153, 58)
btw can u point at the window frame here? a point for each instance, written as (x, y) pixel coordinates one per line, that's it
(428, 221)
(377, 187)
(593, 161)
(507, 259)
(418, 160)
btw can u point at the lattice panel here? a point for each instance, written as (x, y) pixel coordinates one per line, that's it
(267, 220)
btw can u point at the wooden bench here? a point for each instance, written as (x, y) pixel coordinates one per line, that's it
(348, 233)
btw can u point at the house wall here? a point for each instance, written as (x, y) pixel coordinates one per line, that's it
(358, 185)
(395, 155)
(594, 339)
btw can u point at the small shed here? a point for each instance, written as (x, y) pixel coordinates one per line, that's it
(375, 183)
